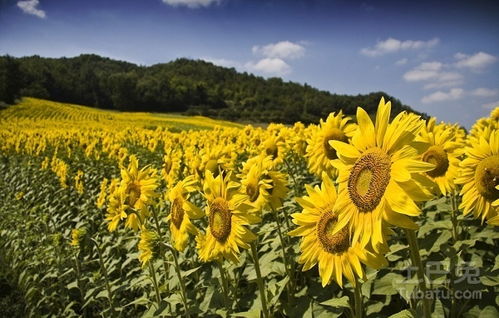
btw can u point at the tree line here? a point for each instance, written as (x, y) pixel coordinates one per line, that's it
(194, 87)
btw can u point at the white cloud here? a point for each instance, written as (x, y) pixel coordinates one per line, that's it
(222, 62)
(424, 71)
(435, 74)
(484, 92)
(31, 7)
(440, 96)
(392, 45)
(193, 4)
(475, 62)
(280, 50)
(402, 61)
(491, 105)
(271, 66)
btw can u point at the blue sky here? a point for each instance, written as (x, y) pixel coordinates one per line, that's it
(441, 57)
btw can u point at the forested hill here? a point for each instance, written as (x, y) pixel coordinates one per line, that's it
(189, 86)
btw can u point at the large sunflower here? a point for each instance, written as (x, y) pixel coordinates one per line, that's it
(377, 173)
(319, 151)
(442, 149)
(227, 212)
(336, 254)
(182, 211)
(480, 177)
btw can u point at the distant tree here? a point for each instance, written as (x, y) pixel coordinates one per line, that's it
(10, 81)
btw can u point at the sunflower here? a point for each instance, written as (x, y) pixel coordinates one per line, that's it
(278, 190)
(377, 174)
(254, 186)
(116, 209)
(101, 199)
(228, 217)
(442, 150)
(147, 242)
(494, 114)
(274, 147)
(139, 187)
(336, 254)
(480, 177)
(171, 167)
(319, 151)
(182, 211)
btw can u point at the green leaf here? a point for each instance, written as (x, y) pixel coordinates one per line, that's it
(386, 285)
(489, 280)
(403, 314)
(342, 302)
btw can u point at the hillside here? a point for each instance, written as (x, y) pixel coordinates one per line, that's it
(183, 85)
(34, 112)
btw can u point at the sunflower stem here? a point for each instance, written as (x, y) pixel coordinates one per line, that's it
(259, 280)
(358, 299)
(452, 269)
(155, 282)
(286, 263)
(181, 280)
(160, 234)
(225, 286)
(416, 259)
(106, 277)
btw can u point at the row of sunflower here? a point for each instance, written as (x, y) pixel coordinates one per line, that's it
(218, 190)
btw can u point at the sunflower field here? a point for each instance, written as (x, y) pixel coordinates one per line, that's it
(147, 215)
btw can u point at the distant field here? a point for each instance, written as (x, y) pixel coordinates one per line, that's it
(41, 110)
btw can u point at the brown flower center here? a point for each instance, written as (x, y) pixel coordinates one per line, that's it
(332, 134)
(178, 212)
(220, 219)
(252, 191)
(332, 243)
(272, 150)
(133, 190)
(368, 180)
(487, 177)
(437, 156)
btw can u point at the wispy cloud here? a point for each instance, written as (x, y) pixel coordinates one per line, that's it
(223, 62)
(476, 62)
(441, 96)
(392, 45)
(282, 50)
(193, 4)
(31, 7)
(491, 105)
(402, 61)
(271, 66)
(435, 74)
(484, 92)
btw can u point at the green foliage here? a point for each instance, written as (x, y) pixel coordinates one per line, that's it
(195, 87)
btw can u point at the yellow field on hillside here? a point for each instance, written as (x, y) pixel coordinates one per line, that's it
(36, 112)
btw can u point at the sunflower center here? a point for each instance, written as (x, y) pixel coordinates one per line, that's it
(252, 192)
(437, 156)
(177, 212)
(332, 243)
(332, 134)
(133, 191)
(368, 180)
(271, 150)
(168, 166)
(487, 177)
(220, 219)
